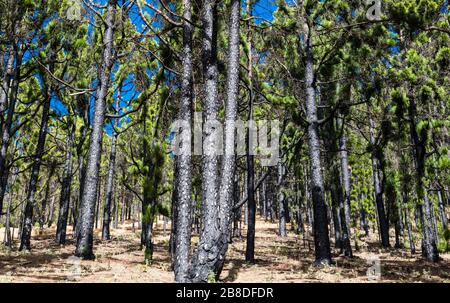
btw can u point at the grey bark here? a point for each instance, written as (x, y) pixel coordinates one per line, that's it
(346, 236)
(110, 181)
(86, 218)
(182, 217)
(321, 237)
(210, 255)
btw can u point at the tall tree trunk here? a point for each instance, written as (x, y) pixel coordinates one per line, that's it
(281, 200)
(86, 218)
(251, 205)
(6, 131)
(110, 181)
(34, 178)
(321, 237)
(378, 189)
(429, 248)
(346, 235)
(183, 200)
(209, 258)
(6, 83)
(64, 201)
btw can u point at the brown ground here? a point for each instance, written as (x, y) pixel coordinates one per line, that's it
(278, 260)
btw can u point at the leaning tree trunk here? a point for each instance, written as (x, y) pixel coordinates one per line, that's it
(87, 207)
(64, 201)
(321, 236)
(181, 222)
(28, 215)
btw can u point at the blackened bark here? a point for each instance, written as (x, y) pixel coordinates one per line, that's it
(442, 212)
(39, 153)
(203, 266)
(110, 181)
(429, 248)
(251, 205)
(281, 200)
(208, 260)
(183, 199)
(321, 237)
(6, 131)
(7, 77)
(64, 201)
(378, 189)
(42, 214)
(87, 206)
(412, 246)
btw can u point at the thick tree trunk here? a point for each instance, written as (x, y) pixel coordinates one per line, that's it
(321, 237)
(86, 218)
(64, 201)
(183, 199)
(209, 257)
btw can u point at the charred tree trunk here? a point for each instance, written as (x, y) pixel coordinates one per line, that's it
(110, 181)
(34, 178)
(64, 201)
(183, 200)
(321, 237)
(378, 189)
(429, 248)
(87, 207)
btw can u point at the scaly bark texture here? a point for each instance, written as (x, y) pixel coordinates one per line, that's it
(208, 260)
(321, 236)
(85, 224)
(183, 199)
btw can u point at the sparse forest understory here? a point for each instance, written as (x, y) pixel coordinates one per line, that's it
(234, 140)
(278, 259)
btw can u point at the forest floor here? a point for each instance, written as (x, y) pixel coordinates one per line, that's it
(278, 259)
